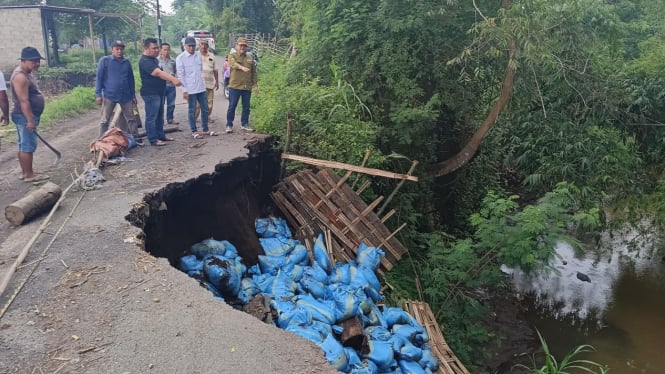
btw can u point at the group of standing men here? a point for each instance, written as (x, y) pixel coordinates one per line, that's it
(195, 71)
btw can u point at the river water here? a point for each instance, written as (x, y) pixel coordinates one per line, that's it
(620, 312)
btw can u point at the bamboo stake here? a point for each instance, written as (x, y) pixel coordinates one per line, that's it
(26, 249)
(397, 188)
(340, 165)
(287, 143)
(365, 159)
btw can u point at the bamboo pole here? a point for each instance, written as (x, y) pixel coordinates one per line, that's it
(397, 188)
(287, 143)
(340, 165)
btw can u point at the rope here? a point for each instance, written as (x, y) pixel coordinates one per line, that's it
(26, 249)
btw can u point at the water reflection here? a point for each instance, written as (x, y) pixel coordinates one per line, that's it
(621, 312)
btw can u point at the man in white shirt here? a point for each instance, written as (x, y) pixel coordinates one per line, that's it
(189, 68)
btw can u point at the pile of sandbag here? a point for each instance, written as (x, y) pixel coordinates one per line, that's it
(312, 297)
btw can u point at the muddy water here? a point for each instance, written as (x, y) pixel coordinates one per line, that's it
(621, 311)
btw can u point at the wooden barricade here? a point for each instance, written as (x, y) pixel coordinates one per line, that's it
(448, 362)
(322, 202)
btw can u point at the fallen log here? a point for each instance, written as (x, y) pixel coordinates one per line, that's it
(36, 202)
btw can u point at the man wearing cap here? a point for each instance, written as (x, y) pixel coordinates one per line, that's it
(189, 68)
(153, 87)
(243, 78)
(28, 106)
(210, 77)
(115, 86)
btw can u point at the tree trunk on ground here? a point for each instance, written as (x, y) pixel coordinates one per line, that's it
(37, 201)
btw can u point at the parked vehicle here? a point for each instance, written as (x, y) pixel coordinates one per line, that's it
(199, 35)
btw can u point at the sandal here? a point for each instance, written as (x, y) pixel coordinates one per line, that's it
(212, 133)
(167, 139)
(36, 178)
(159, 143)
(196, 135)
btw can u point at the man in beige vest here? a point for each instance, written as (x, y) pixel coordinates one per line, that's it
(210, 77)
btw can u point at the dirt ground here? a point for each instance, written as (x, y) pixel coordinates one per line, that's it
(97, 303)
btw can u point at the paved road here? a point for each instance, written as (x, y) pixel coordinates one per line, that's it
(97, 303)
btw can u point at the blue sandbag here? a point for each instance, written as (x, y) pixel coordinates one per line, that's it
(373, 294)
(321, 310)
(223, 274)
(298, 255)
(296, 272)
(394, 315)
(405, 350)
(271, 264)
(354, 359)
(341, 274)
(411, 367)
(366, 367)
(323, 328)
(415, 334)
(231, 251)
(321, 255)
(248, 289)
(272, 227)
(254, 270)
(375, 317)
(288, 313)
(337, 329)
(314, 287)
(335, 353)
(277, 246)
(209, 247)
(370, 277)
(369, 256)
(264, 281)
(283, 286)
(380, 352)
(190, 263)
(316, 272)
(347, 301)
(306, 332)
(428, 360)
(378, 333)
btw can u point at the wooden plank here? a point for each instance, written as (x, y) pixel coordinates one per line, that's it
(393, 248)
(388, 215)
(448, 362)
(362, 229)
(357, 169)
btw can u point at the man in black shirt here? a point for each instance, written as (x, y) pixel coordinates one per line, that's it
(153, 87)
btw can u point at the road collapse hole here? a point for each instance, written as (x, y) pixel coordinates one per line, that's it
(221, 229)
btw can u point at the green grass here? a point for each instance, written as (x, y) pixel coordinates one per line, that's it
(569, 364)
(77, 101)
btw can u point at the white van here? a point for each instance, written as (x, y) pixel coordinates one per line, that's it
(199, 35)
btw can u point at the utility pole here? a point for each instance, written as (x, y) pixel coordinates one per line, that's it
(159, 24)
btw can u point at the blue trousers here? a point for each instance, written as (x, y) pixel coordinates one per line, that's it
(170, 102)
(202, 99)
(234, 97)
(154, 117)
